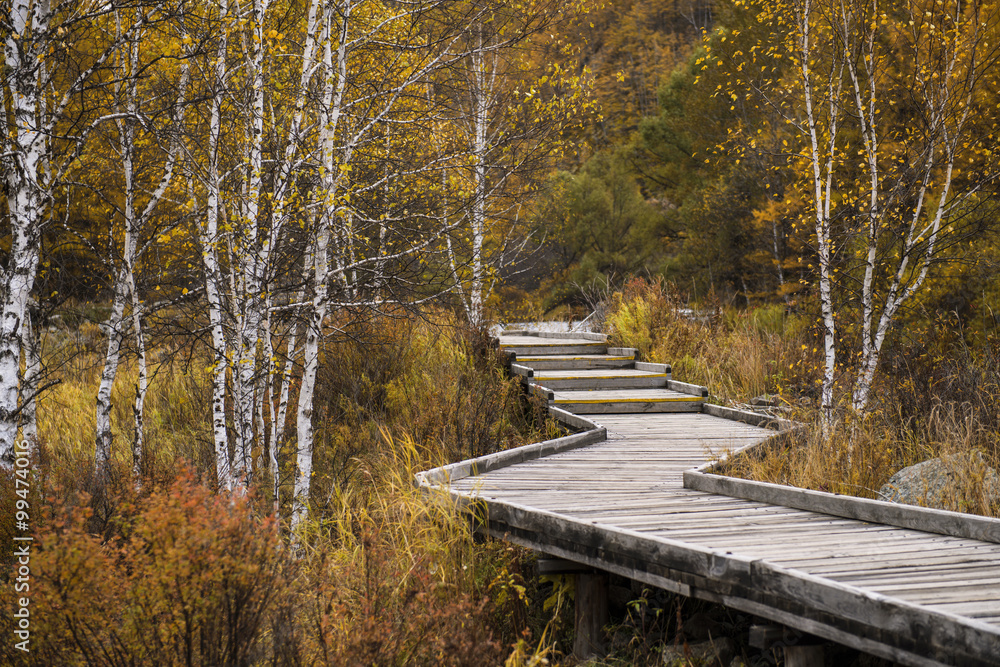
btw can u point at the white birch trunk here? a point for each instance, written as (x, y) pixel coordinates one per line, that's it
(937, 92)
(480, 123)
(127, 111)
(253, 259)
(24, 147)
(116, 325)
(333, 94)
(822, 177)
(214, 281)
(115, 331)
(280, 414)
(141, 386)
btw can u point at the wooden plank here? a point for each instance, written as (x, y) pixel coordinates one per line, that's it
(568, 362)
(607, 380)
(620, 395)
(944, 630)
(970, 609)
(894, 514)
(508, 457)
(919, 573)
(630, 405)
(803, 656)
(881, 561)
(594, 374)
(537, 349)
(686, 388)
(521, 334)
(747, 417)
(655, 368)
(523, 371)
(828, 551)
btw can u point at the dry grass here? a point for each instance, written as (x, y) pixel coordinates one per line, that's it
(858, 458)
(386, 574)
(736, 354)
(934, 397)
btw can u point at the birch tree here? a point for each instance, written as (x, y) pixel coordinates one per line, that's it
(375, 65)
(42, 128)
(246, 210)
(134, 126)
(216, 74)
(511, 108)
(883, 103)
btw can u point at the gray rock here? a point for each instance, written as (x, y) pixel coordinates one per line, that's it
(951, 482)
(765, 401)
(704, 654)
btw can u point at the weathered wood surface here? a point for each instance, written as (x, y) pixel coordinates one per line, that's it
(617, 401)
(591, 379)
(574, 362)
(591, 614)
(614, 498)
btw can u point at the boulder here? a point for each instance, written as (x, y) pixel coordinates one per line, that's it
(957, 482)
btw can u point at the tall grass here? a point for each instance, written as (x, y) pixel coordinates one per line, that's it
(385, 575)
(921, 411)
(738, 354)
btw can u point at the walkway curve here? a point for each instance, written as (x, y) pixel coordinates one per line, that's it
(635, 495)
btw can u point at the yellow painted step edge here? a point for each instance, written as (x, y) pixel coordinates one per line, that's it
(683, 399)
(598, 377)
(574, 359)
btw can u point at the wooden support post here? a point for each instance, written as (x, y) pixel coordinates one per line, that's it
(804, 656)
(591, 614)
(800, 649)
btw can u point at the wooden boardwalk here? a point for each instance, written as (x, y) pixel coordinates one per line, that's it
(622, 496)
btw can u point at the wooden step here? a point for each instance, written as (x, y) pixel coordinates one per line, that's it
(621, 378)
(546, 344)
(566, 362)
(616, 401)
(574, 348)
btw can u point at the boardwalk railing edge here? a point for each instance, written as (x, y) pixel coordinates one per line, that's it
(590, 433)
(928, 520)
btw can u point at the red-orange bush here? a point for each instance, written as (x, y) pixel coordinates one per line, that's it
(188, 581)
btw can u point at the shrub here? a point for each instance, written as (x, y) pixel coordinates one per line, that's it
(173, 574)
(188, 580)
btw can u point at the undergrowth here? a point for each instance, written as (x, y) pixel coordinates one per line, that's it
(738, 354)
(173, 574)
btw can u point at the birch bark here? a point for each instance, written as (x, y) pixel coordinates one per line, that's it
(128, 119)
(30, 382)
(334, 82)
(24, 147)
(214, 280)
